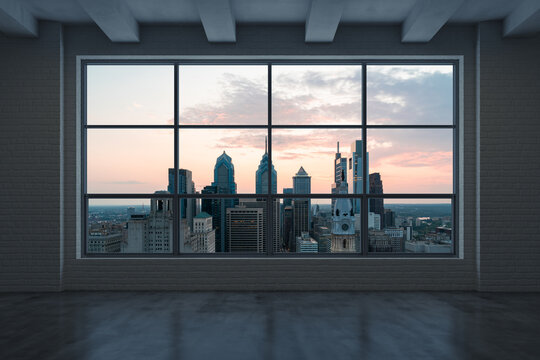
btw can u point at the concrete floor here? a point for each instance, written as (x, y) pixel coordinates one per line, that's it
(216, 325)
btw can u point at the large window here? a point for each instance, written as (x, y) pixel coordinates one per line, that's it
(278, 158)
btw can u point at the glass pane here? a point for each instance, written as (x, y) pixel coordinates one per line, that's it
(128, 161)
(130, 94)
(134, 226)
(410, 161)
(320, 94)
(308, 161)
(410, 225)
(224, 225)
(223, 95)
(410, 94)
(234, 161)
(318, 226)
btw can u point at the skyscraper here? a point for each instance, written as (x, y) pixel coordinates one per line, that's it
(261, 176)
(223, 184)
(185, 186)
(245, 229)
(302, 207)
(355, 174)
(203, 236)
(376, 205)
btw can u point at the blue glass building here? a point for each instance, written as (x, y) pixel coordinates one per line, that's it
(261, 176)
(354, 173)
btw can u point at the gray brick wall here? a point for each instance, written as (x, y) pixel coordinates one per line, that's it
(30, 167)
(29, 162)
(270, 274)
(509, 161)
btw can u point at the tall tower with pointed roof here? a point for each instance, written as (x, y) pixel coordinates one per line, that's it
(261, 175)
(343, 231)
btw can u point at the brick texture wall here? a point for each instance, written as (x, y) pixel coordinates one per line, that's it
(29, 161)
(509, 161)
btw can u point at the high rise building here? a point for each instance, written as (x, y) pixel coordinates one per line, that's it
(340, 173)
(151, 233)
(203, 236)
(302, 185)
(300, 217)
(245, 229)
(276, 230)
(306, 244)
(185, 186)
(287, 227)
(355, 173)
(261, 175)
(389, 218)
(287, 201)
(376, 205)
(223, 184)
(343, 225)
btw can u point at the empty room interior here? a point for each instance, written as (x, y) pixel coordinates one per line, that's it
(269, 179)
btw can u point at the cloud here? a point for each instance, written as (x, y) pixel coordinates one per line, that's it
(137, 105)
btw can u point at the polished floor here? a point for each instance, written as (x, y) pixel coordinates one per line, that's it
(218, 325)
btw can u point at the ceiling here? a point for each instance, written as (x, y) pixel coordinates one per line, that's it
(120, 19)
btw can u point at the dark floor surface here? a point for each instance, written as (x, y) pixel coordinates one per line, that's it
(279, 325)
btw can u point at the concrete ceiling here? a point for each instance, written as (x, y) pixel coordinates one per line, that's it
(120, 19)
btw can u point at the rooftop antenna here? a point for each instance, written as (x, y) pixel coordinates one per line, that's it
(338, 146)
(265, 144)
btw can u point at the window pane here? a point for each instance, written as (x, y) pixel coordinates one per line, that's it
(307, 94)
(223, 95)
(318, 226)
(410, 94)
(224, 225)
(410, 161)
(130, 94)
(128, 161)
(410, 225)
(308, 161)
(235, 161)
(135, 226)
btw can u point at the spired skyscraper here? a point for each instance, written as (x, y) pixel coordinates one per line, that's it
(340, 173)
(261, 176)
(301, 207)
(355, 174)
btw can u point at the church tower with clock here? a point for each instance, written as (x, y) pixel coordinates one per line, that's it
(343, 231)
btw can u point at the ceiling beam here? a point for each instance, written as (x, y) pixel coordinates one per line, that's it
(16, 20)
(323, 20)
(524, 20)
(426, 18)
(218, 20)
(114, 18)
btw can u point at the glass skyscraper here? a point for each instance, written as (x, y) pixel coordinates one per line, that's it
(354, 173)
(186, 185)
(261, 176)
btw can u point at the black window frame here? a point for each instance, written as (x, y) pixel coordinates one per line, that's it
(270, 197)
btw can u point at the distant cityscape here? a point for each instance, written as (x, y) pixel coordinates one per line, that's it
(212, 225)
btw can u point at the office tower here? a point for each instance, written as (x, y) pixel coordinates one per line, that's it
(343, 225)
(223, 184)
(340, 173)
(302, 185)
(306, 244)
(355, 174)
(287, 201)
(261, 175)
(300, 217)
(376, 205)
(389, 218)
(151, 233)
(245, 229)
(203, 236)
(287, 227)
(186, 185)
(276, 230)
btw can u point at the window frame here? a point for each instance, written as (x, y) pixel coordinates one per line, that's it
(176, 61)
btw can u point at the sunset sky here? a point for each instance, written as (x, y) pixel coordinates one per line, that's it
(136, 161)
